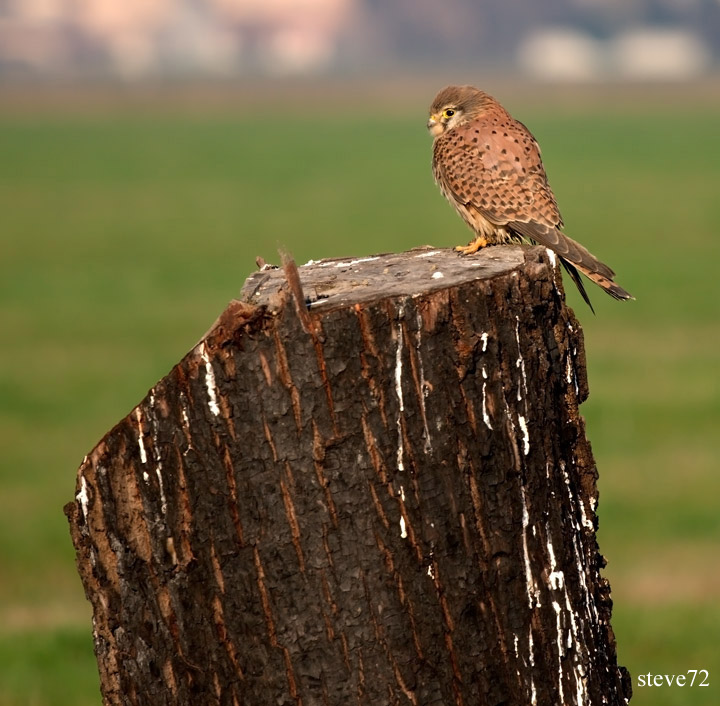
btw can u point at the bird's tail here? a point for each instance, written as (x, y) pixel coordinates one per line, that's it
(575, 258)
(611, 287)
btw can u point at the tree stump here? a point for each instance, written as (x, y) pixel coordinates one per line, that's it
(369, 483)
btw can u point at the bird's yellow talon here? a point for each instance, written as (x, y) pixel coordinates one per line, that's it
(471, 248)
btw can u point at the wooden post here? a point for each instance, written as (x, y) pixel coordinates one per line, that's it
(369, 483)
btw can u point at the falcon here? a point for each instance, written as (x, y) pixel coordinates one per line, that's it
(488, 166)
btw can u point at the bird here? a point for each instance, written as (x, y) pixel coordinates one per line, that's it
(488, 166)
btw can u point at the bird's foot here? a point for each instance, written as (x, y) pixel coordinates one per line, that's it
(477, 244)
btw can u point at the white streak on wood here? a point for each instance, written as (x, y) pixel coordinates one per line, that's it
(399, 364)
(531, 659)
(345, 263)
(556, 578)
(589, 602)
(533, 592)
(561, 651)
(570, 375)
(82, 497)
(573, 641)
(586, 523)
(531, 647)
(437, 275)
(523, 426)
(428, 254)
(141, 443)
(486, 416)
(403, 529)
(210, 382)
(552, 257)
(484, 339)
(398, 388)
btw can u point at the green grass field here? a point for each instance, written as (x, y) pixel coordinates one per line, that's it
(123, 235)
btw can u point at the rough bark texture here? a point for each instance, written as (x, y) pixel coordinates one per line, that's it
(385, 497)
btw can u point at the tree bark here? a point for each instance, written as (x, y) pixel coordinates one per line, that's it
(369, 483)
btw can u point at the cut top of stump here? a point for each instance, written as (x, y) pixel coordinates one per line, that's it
(339, 282)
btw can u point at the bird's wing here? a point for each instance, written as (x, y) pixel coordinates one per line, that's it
(493, 164)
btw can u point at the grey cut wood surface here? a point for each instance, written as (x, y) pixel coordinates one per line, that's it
(385, 498)
(343, 281)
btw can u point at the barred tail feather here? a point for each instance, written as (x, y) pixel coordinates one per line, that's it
(613, 289)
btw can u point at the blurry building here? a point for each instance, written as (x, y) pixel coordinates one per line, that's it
(143, 37)
(561, 54)
(285, 36)
(554, 39)
(651, 53)
(642, 54)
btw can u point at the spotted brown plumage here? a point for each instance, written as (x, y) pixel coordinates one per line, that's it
(488, 166)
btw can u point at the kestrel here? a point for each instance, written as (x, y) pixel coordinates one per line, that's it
(488, 166)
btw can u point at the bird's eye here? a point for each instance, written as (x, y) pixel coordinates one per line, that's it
(449, 113)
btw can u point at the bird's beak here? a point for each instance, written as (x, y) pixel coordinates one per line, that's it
(434, 126)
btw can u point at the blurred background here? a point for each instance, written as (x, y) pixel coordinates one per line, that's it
(150, 149)
(562, 39)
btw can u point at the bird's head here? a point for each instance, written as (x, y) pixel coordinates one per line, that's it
(453, 106)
